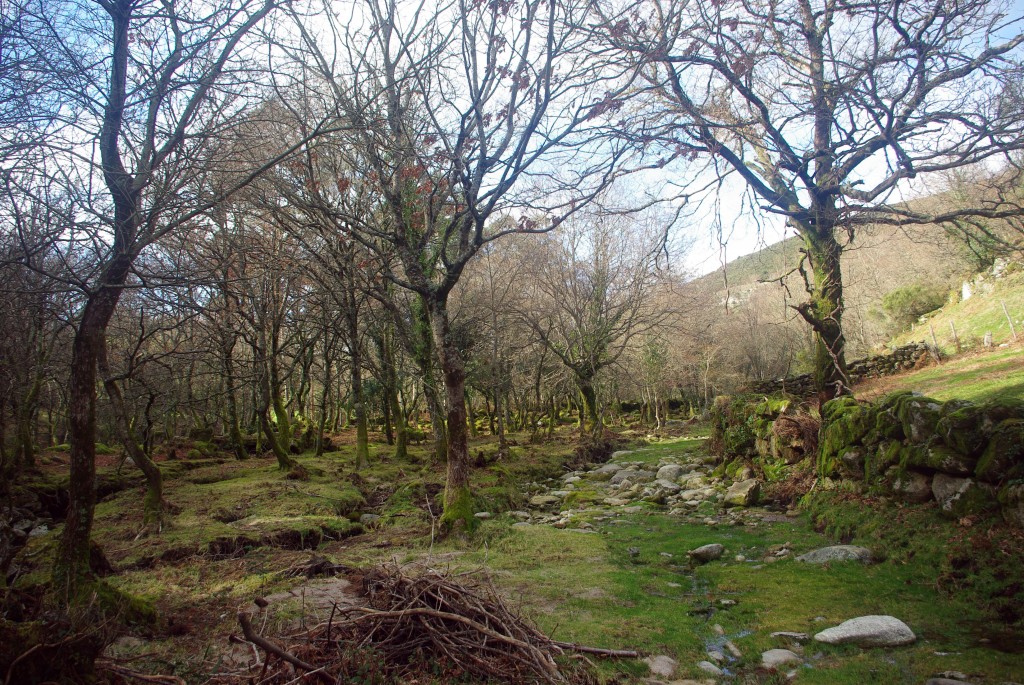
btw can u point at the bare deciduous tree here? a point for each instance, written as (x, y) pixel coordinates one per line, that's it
(826, 109)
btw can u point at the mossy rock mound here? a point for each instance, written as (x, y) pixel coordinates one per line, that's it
(1003, 458)
(741, 425)
(844, 424)
(968, 427)
(919, 416)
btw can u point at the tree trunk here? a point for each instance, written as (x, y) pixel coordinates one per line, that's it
(458, 500)
(71, 572)
(589, 394)
(825, 313)
(401, 426)
(356, 371)
(153, 502)
(284, 461)
(231, 401)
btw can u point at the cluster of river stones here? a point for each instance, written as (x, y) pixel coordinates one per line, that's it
(688, 489)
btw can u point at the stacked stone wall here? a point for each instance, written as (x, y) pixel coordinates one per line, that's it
(966, 457)
(876, 366)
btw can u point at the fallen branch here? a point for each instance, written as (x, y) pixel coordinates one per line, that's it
(600, 651)
(266, 645)
(135, 675)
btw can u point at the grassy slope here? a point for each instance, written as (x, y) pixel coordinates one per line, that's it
(976, 316)
(972, 376)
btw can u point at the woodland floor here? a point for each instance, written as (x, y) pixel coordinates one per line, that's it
(610, 576)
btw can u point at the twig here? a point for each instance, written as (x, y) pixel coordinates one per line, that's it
(618, 653)
(135, 675)
(271, 648)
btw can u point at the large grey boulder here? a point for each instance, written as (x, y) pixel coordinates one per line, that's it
(707, 553)
(668, 485)
(912, 486)
(670, 472)
(961, 496)
(836, 553)
(869, 631)
(635, 475)
(743, 493)
(544, 501)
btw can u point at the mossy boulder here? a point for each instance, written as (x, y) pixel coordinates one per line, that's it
(910, 485)
(939, 457)
(959, 497)
(1003, 458)
(885, 455)
(1011, 499)
(961, 427)
(741, 425)
(919, 417)
(967, 427)
(844, 424)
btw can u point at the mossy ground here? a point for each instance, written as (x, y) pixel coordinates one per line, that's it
(578, 586)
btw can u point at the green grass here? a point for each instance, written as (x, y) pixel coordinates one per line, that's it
(973, 318)
(974, 377)
(588, 588)
(675, 448)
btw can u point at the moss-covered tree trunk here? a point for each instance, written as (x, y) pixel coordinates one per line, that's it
(71, 571)
(589, 394)
(391, 394)
(824, 310)
(458, 500)
(284, 460)
(326, 406)
(356, 375)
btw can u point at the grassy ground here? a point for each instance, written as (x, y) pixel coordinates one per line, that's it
(975, 317)
(626, 584)
(970, 376)
(588, 588)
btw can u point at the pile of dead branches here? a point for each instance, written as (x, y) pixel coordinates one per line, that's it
(429, 625)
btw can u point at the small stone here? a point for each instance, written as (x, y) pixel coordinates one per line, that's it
(633, 551)
(717, 629)
(869, 631)
(716, 656)
(709, 667)
(707, 553)
(774, 658)
(483, 515)
(733, 649)
(740, 557)
(727, 602)
(543, 501)
(662, 665)
(787, 635)
(836, 553)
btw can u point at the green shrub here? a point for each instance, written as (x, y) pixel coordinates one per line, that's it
(906, 305)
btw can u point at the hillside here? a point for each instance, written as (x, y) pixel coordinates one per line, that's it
(879, 260)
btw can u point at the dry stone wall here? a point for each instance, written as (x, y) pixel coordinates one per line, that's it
(876, 366)
(967, 457)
